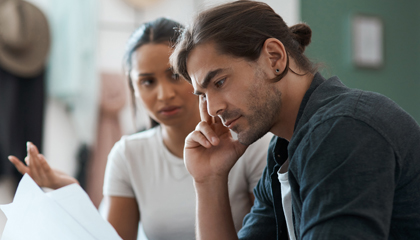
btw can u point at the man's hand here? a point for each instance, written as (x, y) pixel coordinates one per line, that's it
(40, 171)
(210, 151)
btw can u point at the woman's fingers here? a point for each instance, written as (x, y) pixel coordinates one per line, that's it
(20, 166)
(44, 166)
(37, 160)
(32, 146)
(39, 169)
(33, 160)
(43, 162)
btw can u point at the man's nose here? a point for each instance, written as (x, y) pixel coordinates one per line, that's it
(215, 105)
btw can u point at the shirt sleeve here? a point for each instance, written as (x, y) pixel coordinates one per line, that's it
(346, 182)
(260, 223)
(117, 176)
(256, 160)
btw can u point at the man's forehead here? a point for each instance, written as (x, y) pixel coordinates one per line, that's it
(202, 60)
(202, 56)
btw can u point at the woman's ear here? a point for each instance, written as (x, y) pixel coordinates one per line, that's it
(274, 53)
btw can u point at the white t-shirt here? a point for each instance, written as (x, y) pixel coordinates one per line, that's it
(140, 166)
(286, 197)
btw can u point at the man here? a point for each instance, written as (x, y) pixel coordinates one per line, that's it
(344, 163)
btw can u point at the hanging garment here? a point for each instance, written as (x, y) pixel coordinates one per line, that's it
(21, 116)
(24, 47)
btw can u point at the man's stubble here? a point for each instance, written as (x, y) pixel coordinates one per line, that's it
(264, 101)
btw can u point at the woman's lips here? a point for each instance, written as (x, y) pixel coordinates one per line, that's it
(169, 111)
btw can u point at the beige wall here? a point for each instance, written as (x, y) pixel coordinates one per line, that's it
(116, 22)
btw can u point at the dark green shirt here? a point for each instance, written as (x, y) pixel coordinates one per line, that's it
(354, 170)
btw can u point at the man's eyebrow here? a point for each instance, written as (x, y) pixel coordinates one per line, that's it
(210, 75)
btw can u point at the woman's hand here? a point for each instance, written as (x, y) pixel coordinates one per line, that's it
(40, 171)
(210, 151)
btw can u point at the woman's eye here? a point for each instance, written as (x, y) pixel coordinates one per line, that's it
(203, 97)
(175, 76)
(220, 83)
(146, 82)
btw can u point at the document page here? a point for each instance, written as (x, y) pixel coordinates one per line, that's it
(66, 213)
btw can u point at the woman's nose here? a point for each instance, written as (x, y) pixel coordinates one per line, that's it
(165, 91)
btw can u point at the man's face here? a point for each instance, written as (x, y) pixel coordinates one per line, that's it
(236, 90)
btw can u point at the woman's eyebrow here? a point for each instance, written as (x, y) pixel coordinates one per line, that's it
(146, 74)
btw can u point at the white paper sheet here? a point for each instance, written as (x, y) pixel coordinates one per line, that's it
(66, 213)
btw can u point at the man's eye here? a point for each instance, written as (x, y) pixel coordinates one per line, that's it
(220, 83)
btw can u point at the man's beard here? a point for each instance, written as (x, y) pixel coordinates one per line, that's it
(264, 101)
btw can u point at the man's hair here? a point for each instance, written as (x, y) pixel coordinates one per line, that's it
(161, 30)
(239, 29)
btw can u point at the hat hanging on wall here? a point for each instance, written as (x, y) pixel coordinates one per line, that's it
(140, 3)
(24, 38)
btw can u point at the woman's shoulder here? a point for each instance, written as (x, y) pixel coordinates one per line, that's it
(138, 142)
(143, 136)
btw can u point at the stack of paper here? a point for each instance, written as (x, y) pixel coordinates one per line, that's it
(66, 213)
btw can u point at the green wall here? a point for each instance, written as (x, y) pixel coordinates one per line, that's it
(399, 78)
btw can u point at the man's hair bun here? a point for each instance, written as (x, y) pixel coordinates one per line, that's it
(302, 33)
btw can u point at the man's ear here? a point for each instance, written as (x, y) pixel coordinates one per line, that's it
(274, 53)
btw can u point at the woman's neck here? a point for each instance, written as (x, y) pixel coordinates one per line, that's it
(174, 137)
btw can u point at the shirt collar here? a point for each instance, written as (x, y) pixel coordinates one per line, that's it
(280, 153)
(317, 80)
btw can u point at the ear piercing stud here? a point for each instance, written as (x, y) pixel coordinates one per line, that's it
(277, 70)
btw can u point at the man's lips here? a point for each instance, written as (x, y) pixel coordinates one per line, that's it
(229, 123)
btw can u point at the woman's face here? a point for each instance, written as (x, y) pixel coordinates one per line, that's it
(169, 99)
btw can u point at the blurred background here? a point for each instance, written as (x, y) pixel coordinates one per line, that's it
(72, 98)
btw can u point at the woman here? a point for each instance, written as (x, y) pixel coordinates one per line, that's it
(145, 177)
